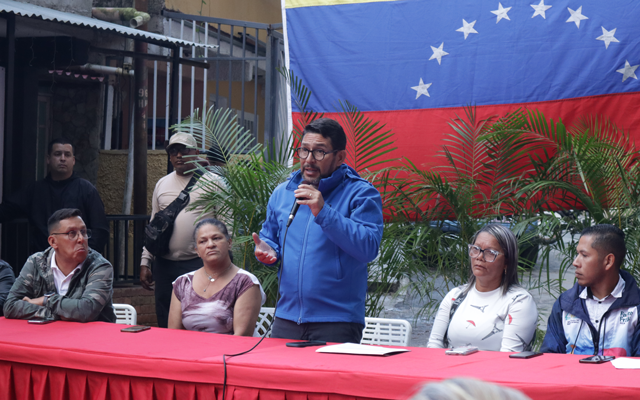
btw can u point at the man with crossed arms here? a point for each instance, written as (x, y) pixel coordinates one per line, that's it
(67, 281)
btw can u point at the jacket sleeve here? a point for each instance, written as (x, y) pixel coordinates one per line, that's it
(25, 285)
(94, 298)
(360, 234)
(555, 340)
(96, 219)
(6, 282)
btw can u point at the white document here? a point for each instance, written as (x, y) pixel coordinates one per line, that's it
(626, 363)
(361, 349)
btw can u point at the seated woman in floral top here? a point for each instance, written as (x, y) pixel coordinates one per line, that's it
(219, 297)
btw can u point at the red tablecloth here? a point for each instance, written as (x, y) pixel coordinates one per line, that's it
(95, 360)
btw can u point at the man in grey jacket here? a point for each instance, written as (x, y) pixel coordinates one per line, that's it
(7, 278)
(67, 281)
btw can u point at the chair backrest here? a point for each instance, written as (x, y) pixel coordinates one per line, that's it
(125, 314)
(265, 318)
(384, 331)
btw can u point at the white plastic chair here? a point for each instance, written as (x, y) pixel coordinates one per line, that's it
(125, 314)
(265, 318)
(385, 331)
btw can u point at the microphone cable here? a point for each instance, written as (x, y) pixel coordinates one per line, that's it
(604, 333)
(224, 356)
(573, 348)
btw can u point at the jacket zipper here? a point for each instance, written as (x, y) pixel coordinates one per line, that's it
(300, 264)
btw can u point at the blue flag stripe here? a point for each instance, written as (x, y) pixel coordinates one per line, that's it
(376, 54)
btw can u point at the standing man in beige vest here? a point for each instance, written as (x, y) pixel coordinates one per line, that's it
(181, 256)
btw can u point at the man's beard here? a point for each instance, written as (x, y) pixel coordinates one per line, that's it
(312, 181)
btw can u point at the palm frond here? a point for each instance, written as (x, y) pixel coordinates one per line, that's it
(367, 143)
(301, 96)
(221, 131)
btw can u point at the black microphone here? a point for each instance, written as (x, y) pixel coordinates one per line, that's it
(294, 209)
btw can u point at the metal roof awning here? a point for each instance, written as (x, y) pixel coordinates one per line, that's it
(47, 14)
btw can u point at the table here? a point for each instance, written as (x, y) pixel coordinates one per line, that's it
(95, 360)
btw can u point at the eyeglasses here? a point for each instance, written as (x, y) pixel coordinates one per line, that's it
(318, 155)
(73, 235)
(488, 254)
(173, 151)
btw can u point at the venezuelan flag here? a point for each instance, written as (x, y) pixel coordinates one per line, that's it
(414, 64)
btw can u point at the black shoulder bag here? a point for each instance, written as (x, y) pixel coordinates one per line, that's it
(454, 307)
(158, 232)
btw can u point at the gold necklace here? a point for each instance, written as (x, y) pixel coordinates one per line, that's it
(211, 279)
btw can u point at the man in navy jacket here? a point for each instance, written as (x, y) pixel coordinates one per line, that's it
(335, 233)
(599, 314)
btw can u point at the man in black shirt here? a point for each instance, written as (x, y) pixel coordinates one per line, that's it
(61, 188)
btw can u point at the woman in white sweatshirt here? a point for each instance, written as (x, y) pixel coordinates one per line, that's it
(492, 311)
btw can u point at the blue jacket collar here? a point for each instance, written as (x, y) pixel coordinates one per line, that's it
(571, 302)
(326, 184)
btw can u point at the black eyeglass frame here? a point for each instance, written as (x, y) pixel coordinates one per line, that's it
(314, 152)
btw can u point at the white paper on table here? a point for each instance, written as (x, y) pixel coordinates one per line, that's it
(360, 349)
(626, 363)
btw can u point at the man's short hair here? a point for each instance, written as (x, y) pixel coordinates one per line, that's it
(60, 141)
(63, 213)
(607, 239)
(328, 128)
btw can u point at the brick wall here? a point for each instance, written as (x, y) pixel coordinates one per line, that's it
(142, 300)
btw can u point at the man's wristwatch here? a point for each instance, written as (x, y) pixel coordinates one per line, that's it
(46, 298)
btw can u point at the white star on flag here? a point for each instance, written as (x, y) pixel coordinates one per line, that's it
(501, 13)
(540, 9)
(576, 16)
(629, 71)
(438, 53)
(467, 28)
(421, 89)
(607, 37)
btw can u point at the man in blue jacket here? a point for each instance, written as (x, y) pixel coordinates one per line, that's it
(335, 233)
(599, 315)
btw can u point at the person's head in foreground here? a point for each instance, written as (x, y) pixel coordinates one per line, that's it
(219, 297)
(493, 253)
(466, 389)
(323, 149)
(68, 236)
